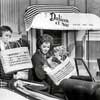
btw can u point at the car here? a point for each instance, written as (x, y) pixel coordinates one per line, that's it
(82, 85)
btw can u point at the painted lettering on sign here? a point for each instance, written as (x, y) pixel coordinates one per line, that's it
(59, 20)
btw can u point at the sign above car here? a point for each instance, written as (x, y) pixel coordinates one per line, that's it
(65, 21)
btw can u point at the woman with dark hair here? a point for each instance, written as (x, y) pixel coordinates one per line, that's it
(43, 52)
(39, 60)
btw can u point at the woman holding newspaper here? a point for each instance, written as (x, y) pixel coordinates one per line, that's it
(41, 60)
(5, 33)
(6, 43)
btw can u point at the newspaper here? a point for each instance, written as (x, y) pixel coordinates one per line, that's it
(63, 71)
(15, 59)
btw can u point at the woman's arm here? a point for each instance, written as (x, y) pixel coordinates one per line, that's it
(38, 71)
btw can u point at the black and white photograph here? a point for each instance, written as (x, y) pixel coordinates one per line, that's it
(49, 49)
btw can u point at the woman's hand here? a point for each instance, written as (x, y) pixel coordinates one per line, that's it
(44, 66)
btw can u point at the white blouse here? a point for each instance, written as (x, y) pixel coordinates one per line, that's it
(3, 45)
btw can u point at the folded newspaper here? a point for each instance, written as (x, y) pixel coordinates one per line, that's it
(64, 70)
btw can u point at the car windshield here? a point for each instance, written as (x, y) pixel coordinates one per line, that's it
(82, 71)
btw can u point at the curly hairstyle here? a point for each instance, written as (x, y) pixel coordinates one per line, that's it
(45, 38)
(4, 29)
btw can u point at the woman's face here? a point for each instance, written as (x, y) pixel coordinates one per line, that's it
(45, 47)
(6, 36)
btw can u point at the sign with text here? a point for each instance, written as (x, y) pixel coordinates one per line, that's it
(59, 19)
(15, 59)
(65, 21)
